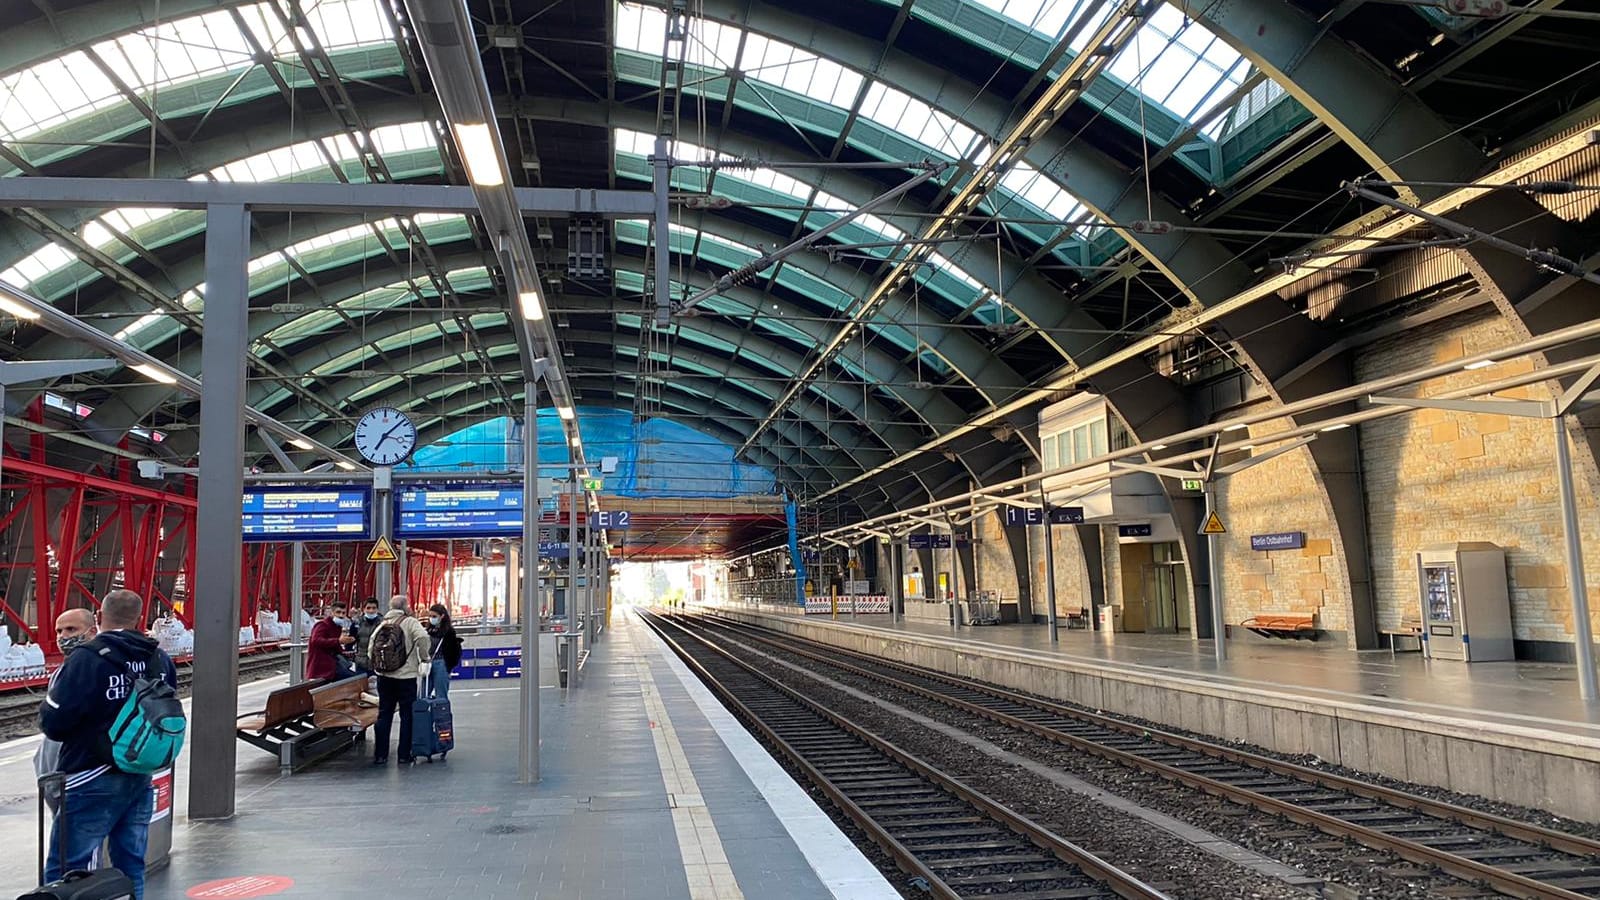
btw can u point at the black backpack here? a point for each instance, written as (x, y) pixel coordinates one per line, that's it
(389, 650)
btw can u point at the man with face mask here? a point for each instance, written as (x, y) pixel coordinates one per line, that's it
(328, 640)
(74, 628)
(361, 629)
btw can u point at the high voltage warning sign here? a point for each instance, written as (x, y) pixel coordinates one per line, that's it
(383, 552)
(1213, 524)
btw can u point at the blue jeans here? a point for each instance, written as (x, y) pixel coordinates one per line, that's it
(115, 805)
(439, 681)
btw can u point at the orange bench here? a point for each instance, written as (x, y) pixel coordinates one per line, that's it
(1283, 626)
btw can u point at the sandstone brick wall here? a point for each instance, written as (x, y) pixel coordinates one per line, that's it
(1072, 575)
(1282, 494)
(1436, 477)
(992, 555)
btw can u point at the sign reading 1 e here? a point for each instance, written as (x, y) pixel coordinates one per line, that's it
(611, 519)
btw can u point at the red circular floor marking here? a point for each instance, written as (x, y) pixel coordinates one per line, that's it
(242, 886)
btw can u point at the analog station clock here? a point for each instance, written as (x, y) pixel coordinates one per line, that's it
(384, 436)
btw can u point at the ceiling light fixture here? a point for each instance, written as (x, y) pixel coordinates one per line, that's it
(1480, 364)
(566, 413)
(347, 466)
(17, 308)
(476, 144)
(155, 374)
(532, 308)
(302, 443)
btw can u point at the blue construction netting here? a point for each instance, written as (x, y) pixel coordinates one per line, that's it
(655, 457)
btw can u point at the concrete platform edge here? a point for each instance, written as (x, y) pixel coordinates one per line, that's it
(1509, 763)
(841, 867)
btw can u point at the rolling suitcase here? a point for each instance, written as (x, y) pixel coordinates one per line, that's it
(101, 884)
(432, 727)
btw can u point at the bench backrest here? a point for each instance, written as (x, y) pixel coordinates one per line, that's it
(1282, 621)
(343, 690)
(288, 704)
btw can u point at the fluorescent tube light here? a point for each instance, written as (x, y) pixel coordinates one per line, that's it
(155, 374)
(476, 144)
(347, 466)
(532, 308)
(566, 413)
(17, 308)
(1480, 364)
(1336, 426)
(1237, 426)
(302, 443)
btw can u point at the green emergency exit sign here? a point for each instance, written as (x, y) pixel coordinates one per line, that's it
(1193, 484)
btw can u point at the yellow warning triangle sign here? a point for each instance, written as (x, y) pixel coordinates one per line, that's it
(1213, 525)
(383, 551)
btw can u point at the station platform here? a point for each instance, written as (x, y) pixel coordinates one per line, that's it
(650, 789)
(1510, 731)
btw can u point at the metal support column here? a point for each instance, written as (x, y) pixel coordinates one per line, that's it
(897, 587)
(402, 575)
(297, 602)
(661, 184)
(383, 573)
(1219, 628)
(483, 560)
(1049, 568)
(1583, 637)
(528, 685)
(213, 749)
(575, 612)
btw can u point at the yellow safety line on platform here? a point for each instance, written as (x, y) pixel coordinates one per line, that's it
(704, 861)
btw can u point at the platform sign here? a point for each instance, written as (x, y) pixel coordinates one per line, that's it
(1283, 540)
(554, 550)
(611, 519)
(460, 511)
(1018, 516)
(1066, 515)
(307, 513)
(928, 541)
(1141, 529)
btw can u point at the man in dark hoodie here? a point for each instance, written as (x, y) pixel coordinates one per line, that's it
(85, 695)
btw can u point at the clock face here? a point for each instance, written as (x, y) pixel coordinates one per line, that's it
(384, 436)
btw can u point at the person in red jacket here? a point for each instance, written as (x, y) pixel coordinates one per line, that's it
(325, 650)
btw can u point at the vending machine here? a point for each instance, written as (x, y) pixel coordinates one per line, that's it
(1466, 602)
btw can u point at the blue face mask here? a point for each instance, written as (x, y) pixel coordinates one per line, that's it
(433, 620)
(372, 617)
(341, 621)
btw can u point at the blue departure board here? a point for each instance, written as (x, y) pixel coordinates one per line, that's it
(307, 513)
(464, 511)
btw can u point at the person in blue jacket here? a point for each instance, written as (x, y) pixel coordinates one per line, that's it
(102, 802)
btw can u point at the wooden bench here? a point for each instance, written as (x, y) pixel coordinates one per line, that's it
(344, 704)
(1283, 626)
(1409, 627)
(1077, 618)
(296, 729)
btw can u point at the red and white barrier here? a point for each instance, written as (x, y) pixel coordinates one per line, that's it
(822, 606)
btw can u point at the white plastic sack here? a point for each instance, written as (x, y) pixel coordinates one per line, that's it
(32, 661)
(247, 636)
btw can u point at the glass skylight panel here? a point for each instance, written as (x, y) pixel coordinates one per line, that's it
(53, 92)
(902, 113)
(37, 265)
(1048, 17)
(798, 70)
(1184, 66)
(404, 138)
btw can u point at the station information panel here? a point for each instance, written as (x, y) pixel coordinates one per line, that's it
(465, 511)
(307, 513)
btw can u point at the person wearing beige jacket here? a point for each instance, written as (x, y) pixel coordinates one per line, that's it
(399, 655)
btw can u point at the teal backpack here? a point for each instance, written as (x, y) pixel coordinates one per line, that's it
(148, 733)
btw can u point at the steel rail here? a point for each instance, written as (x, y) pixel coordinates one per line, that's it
(1119, 882)
(1510, 883)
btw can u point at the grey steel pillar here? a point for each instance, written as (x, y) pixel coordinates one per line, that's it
(483, 559)
(506, 562)
(1583, 638)
(574, 613)
(661, 184)
(1219, 630)
(383, 573)
(1049, 566)
(297, 602)
(528, 685)
(402, 576)
(897, 587)
(213, 749)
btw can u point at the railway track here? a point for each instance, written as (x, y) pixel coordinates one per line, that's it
(1513, 858)
(952, 839)
(18, 708)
